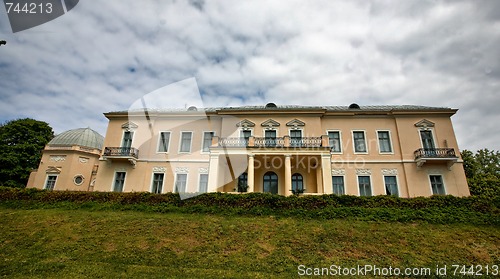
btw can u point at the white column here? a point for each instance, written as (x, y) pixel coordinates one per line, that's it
(326, 169)
(213, 173)
(288, 175)
(251, 173)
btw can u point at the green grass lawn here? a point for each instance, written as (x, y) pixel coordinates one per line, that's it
(63, 243)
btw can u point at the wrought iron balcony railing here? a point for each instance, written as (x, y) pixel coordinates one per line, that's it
(269, 142)
(306, 142)
(233, 142)
(278, 142)
(444, 153)
(121, 152)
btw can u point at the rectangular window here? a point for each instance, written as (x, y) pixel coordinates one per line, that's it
(207, 141)
(185, 142)
(427, 140)
(203, 183)
(295, 138)
(359, 141)
(246, 134)
(270, 138)
(127, 139)
(365, 188)
(437, 185)
(338, 185)
(119, 182)
(334, 141)
(384, 141)
(180, 184)
(164, 142)
(391, 186)
(157, 183)
(51, 182)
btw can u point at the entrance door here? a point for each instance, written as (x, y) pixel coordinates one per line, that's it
(270, 183)
(427, 140)
(270, 138)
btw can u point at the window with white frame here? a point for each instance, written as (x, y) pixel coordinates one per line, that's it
(437, 185)
(186, 142)
(391, 185)
(157, 186)
(365, 188)
(119, 181)
(359, 141)
(164, 142)
(297, 183)
(181, 182)
(127, 139)
(203, 183)
(51, 182)
(207, 141)
(270, 138)
(295, 138)
(384, 141)
(338, 185)
(246, 134)
(334, 141)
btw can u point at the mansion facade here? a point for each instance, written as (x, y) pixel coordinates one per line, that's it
(406, 151)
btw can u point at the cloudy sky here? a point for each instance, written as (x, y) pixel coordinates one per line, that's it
(104, 55)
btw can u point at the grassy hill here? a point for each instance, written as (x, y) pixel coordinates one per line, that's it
(85, 243)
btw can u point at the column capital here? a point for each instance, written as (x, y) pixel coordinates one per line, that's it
(251, 155)
(288, 155)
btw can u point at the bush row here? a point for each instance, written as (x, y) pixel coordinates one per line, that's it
(435, 209)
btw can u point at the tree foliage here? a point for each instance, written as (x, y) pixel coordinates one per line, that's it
(21, 145)
(482, 170)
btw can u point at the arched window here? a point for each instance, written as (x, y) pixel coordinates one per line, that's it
(297, 183)
(242, 183)
(270, 182)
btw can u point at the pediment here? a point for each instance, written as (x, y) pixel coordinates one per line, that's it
(295, 123)
(270, 123)
(245, 123)
(424, 123)
(129, 125)
(53, 170)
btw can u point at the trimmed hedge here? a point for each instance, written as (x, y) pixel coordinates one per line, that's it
(435, 209)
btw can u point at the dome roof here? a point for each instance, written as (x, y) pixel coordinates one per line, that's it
(83, 137)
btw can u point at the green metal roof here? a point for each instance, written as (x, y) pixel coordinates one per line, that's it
(83, 137)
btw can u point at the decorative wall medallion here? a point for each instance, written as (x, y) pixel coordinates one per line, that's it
(363, 171)
(159, 169)
(182, 170)
(83, 160)
(389, 171)
(338, 171)
(58, 158)
(203, 170)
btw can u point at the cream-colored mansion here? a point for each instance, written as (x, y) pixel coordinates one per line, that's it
(406, 151)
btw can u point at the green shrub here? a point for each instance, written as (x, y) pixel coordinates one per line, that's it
(435, 209)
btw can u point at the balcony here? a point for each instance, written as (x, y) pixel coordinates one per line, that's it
(278, 142)
(435, 156)
(121, 153)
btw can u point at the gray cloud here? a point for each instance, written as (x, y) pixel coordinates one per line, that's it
(103, 55)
